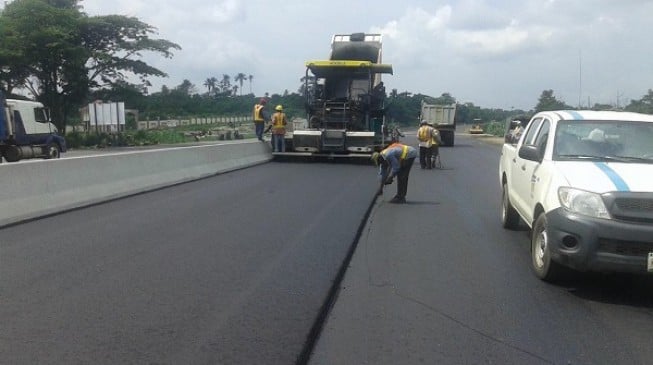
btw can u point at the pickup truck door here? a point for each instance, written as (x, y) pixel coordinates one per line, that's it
(524, 172)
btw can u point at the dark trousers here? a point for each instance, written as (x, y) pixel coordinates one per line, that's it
(425, 154)
(402, 177)
(278, 143)
(259, 130)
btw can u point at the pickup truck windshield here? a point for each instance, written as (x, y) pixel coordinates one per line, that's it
(621, 141)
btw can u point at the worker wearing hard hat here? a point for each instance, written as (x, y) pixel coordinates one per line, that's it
(429, 140)
(278, 128)
(395, 160)
(260, 116)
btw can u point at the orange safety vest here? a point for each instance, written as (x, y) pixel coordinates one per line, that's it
(258, 116)
(278, 123)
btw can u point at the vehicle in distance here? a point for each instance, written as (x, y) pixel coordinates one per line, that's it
(26, 131)
(583, 182)
(442, 117)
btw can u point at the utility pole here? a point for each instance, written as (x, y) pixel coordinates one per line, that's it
(580, 78)
(619, 95)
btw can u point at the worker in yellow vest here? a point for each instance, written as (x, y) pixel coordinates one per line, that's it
(260, 116)
(429, 138)
(395, 160)
(278, 128)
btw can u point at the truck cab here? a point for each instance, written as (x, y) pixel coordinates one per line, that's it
(26, 131)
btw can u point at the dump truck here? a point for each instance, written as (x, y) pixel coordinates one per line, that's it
(26, 131)
(345, 101)
(442, 117)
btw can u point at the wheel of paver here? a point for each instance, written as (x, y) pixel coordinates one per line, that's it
(509, 216)
(543, 266)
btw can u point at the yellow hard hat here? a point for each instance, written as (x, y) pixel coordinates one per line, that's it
(278, 108)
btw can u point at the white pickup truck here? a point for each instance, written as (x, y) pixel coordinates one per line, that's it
(583, 182)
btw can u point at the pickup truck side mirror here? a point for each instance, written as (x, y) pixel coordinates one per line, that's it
(531, 153)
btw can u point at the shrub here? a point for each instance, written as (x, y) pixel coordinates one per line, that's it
(495, 128)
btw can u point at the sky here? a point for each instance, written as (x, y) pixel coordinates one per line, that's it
(494, 54)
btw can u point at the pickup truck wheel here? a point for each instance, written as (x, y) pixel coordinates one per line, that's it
(509, 216)
(52, 151)
(544, 268)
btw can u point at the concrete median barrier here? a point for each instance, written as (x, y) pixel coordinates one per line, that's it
(37, 188)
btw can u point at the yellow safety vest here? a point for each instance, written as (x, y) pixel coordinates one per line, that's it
(404, 150)
(424, 133)
(258, 116)
(279, 123)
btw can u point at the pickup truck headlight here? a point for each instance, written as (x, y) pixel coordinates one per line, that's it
(583, 202)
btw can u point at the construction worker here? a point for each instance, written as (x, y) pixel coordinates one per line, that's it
(278, 128)
(437, 142)
(395, 160)
(260, 116)
(428, 140)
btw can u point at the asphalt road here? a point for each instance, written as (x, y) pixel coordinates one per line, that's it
(438, 281)
(227, 270)
(235, 269)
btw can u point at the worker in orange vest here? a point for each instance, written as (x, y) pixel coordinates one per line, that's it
(395, 160)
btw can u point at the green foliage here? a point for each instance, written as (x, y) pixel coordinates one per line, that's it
(129, 138)
(403, 109)
(75, 140)
(644, 105)
(549, 102)
(50, 56)
(495, 128)
(58, 52)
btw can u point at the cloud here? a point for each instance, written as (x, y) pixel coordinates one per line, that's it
(493, 53)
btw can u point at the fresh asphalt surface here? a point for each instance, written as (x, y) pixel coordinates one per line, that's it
(231, 269)
(438, 281)
(235, 269)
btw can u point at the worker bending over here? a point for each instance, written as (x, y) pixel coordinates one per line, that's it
(395, 160)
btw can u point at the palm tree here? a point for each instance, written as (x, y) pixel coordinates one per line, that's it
(250, 77)
(225, 84)
(240, 78)
(210, 83)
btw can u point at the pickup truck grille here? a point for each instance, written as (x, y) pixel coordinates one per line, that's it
(625, 248)
(632, 207)
(633, 204)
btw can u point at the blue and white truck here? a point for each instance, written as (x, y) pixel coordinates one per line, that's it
(27, 132)
(582, 181)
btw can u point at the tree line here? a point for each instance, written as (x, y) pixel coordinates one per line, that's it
(71, 58)
(60, 54)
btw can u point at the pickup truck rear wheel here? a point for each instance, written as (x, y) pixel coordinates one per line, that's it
(509, 216)
(543, 266)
